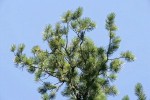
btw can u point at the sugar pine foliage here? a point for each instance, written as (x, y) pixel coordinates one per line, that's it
(87, 71)
(126, 97)
(139, 92)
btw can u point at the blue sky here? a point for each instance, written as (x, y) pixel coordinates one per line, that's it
(23, 21)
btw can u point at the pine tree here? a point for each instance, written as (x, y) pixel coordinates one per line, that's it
(86, 70)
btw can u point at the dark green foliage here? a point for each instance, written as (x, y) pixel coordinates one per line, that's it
(87, 70)
(139, 92)
(46, 97)
(126, 97)
(128, 56)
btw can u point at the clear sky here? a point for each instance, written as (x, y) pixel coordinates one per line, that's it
(23, 21)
